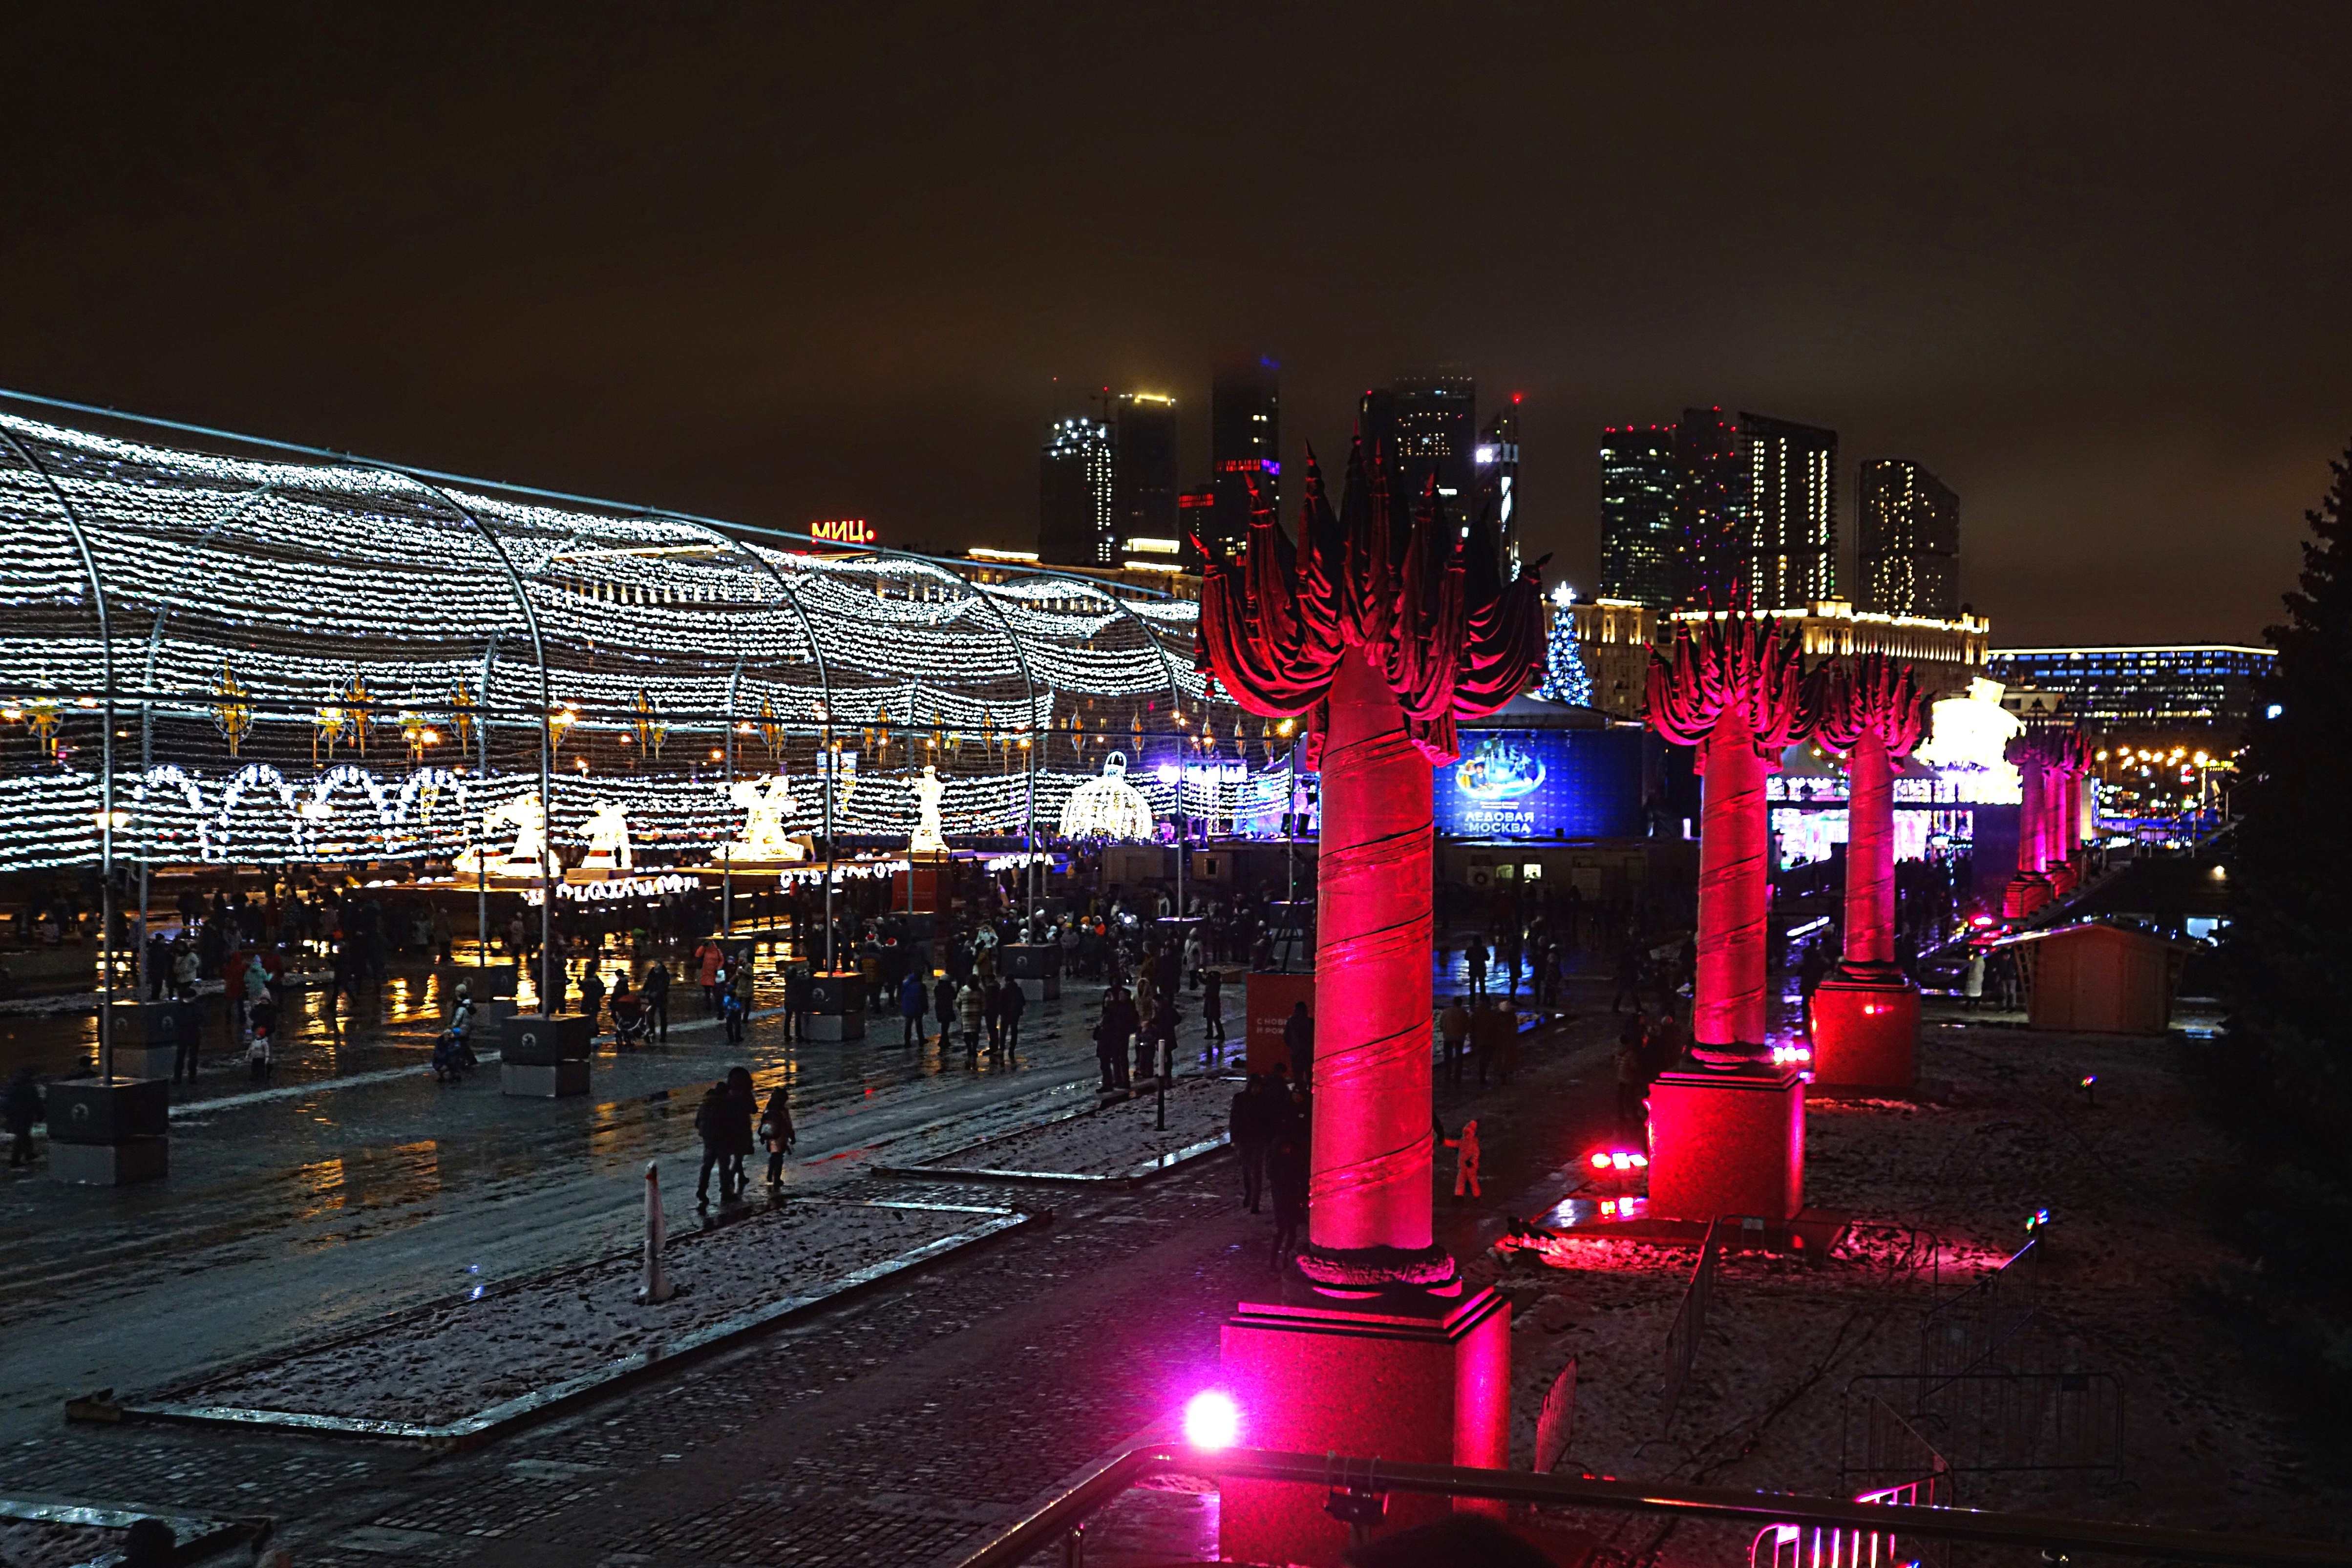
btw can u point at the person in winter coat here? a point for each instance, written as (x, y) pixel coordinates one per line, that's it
(1286, 1174)
(1213, 1017)
(776, 1133)
(943, 1006)
(1466, 1165)
(914, 1007)
(972, 1012)
(992, 1013)
(656, 992)
(1245, 1127)
(1299, 1038)
(1112, 1030)
(735, 1003)
(710, 1123)
(1454, 1030)
(23, 1109)
(591, 996)
(1010, 1004)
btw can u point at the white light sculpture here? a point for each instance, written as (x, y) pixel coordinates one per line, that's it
(1109, 806)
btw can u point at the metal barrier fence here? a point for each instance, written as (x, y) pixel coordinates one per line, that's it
(1984, 1323)
(1059, 1519)
(1690, 1321)
(1983, 1422)
(1828, 1546)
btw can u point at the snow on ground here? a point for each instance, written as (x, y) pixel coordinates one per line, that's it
(455, 1359)
(1110, 1140)
(1945, 1189)
(28, 1544)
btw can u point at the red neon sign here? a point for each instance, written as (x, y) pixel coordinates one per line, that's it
(843, 530)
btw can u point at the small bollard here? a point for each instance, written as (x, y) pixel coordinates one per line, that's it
(655, 1287)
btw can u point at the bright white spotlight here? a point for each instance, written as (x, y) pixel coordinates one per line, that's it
(1211, 1420)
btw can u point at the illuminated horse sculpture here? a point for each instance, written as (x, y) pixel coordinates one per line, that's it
(766, 802)
(529, 856)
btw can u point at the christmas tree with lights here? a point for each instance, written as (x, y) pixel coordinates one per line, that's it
(1565, 677)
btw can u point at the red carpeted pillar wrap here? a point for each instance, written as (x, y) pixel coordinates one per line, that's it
(1865, 1018)
(1870, 852)
(1727, 1009)
(1371, 1149)
(1734, 686)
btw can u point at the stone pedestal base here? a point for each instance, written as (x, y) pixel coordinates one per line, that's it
(837, 1009)
(548, 1080)
(1865, 1032)
(834, 1026)
(1427, 1387)
(2063, 879)
(111, 1165)
(145, 1061)
(1728, 1144)
(2023, 896)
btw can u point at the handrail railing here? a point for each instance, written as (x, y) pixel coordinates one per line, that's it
(2046, 1534)
(1690, 1322)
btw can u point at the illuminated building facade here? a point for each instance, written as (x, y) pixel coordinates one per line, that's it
(1429, 422)
(1074, 517)
(1640, 484)
(1143, 480)
(1909, 540)
(1245, 441)
(1711, 510)
(1791, 520)
(2137, 688)
(1498, 468)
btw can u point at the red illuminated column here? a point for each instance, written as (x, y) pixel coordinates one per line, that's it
(2030, 889)
(1864, 1021)
(1728, 1007)
(1870, 853)
(1368, 1204)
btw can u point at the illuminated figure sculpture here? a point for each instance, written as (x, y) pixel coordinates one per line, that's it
(767, 805)
(607, 829)
(1864, 1023)
(930, 838)
(530, 857)
(1109, 806)
(1382, 625)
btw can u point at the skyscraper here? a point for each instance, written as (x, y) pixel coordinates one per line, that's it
(1791, 512)
(1428, 423)
(1711, 510)
(1498, 479)
(1143, 495)
(1910, 541)
(1245, 441)
(1640, 488)
(1196, 518)
(1075, 523)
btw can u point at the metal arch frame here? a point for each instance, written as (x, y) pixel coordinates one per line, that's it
(825, 682)
(546, 721)
(106, 756)
(1029, 685)
(147, 697)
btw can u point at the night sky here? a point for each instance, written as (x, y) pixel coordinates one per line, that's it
(2089, 266)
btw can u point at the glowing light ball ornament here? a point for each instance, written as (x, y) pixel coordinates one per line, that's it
(1211, 1420)
(1381, 626)
(1107, 807)
(1864, 1019)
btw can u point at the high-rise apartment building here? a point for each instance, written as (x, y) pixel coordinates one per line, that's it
(1909, 540)
(1076, 524)
(1640, 490)
(1498, 468)
(1428, 424)
(1711, 510)
(1245, 441)
(1792, 503)
(1144, 485)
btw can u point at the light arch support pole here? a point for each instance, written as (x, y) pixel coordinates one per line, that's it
(482, 767)
(726, 871)
(105, 757)
(1176, 699)
(140, 979)
(1029, 685)
(824, 684)
(546, 726)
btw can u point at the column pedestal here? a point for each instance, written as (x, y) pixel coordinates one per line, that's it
(1728, 1144)
(2025, 893)
(110, 1134)
(1866, 1031)
(2063, 879)
(1427, 1382)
